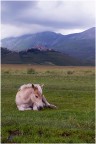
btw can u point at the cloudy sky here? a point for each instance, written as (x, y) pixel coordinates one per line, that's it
(67, 16)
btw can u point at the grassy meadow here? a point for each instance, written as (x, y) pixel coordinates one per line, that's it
(71, 89)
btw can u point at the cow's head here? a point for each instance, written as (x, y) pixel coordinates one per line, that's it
(37, 97)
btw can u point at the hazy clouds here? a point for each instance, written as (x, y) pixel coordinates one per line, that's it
(22, 17)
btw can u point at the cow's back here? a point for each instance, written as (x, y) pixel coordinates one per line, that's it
(23, 96)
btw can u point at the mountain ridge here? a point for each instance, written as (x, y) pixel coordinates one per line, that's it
(47, 38)
(91, 29)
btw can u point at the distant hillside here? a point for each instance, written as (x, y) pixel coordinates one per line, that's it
(80, 45)
(35, 56)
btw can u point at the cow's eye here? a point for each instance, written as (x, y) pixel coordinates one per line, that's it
(36, 96)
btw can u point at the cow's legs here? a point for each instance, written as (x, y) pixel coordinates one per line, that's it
(45, 101)
(23, 107)
(35, 107)
(47, 104)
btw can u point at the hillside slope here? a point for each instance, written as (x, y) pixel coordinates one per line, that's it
(35, 56)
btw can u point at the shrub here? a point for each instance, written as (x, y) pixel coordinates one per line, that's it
(48, 71)
(70, 72)
(31, 71)
(6, 72)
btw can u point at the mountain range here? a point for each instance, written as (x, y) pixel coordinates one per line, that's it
(78, 48)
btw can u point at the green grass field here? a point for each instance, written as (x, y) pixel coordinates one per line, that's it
(71, 89)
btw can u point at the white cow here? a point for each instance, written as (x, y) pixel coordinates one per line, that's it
(29, 97)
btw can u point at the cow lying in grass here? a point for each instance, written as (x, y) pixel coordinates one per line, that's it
(29, 97)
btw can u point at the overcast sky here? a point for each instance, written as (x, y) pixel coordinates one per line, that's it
(67, 16)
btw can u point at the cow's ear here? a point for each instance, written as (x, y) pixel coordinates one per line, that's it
(42, 85)
(33, 86)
